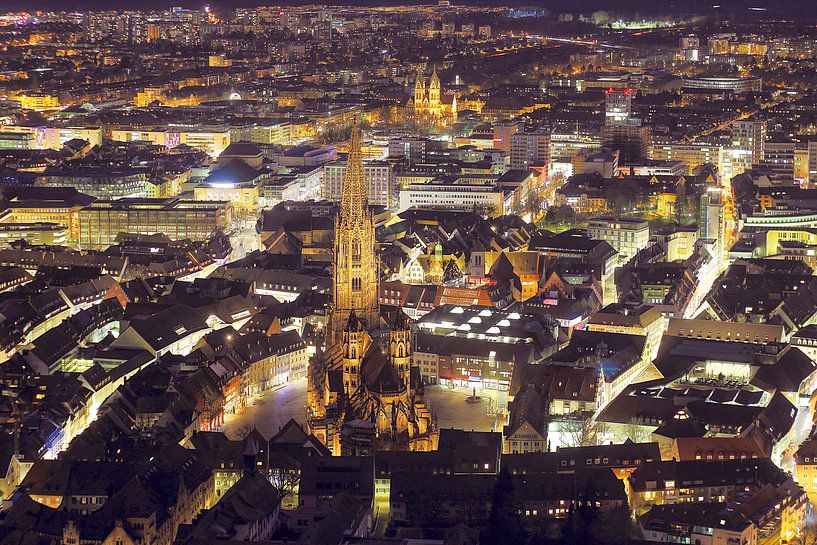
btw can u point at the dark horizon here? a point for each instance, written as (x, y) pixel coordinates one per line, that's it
(772, 9)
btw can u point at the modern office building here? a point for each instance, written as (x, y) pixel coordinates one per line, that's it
(812, 160)
(692, 155)
(100, 183)
(379, 179)
(780, 158)
(413, 149)
(503, 133)
(601, 161)
(17, 140)
(46, 205)
(626, 235)
(41, 137)
(566, 145)
(212, 140)
(711, 220)
(101, 222)
(631, 139)
(618, 105)
(272, 132)
(460, 194)
(40, 233)
(690, 48)
(750, 136)
(725, 83)
(530, 149)
(38, 101)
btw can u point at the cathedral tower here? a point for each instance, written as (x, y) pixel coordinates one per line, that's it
(419, 89)
(400, 347)
(434, 105)
(355, 282)
(354, 346)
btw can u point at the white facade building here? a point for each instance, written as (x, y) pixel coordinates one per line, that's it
(626, 235)
(379, 178)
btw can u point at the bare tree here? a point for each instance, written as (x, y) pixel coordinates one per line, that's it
(485, 210)
(285, 476)
(579, 433)
(636, 433)
(534, 202)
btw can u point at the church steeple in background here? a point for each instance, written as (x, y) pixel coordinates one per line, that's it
(420, 88)
(429, 107)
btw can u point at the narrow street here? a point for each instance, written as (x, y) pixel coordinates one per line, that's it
(244, 240)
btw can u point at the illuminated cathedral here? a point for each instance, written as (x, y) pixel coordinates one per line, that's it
(430, 106)
(363, 392)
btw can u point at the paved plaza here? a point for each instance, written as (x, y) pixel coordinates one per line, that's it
(271, 410)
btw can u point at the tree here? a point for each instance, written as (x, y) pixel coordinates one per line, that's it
(504, 524)
(635, 433)
(563, 213)
(243, 431)
(485, 210)
(619, 525)
(587, 512)
(285, 476)
(557, 179)
(534, 202)
(600, 18)
(579, 433)
(452, 273)
(621, 196)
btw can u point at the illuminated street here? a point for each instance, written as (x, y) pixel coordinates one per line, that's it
(270, 411)
(244, 240)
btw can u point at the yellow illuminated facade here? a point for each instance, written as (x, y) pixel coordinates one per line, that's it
(101, 222)
(428, 104)
(50, 233)
(166, 187)
(38, 102)
(67, 217)
(147, 96)
(276, 133)
(243, 197)
(219, 61)
(211, 142)
(692, 155)
(154, 136)
(56, 137)
(375, 393)
(801, 158)
(355, 268)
